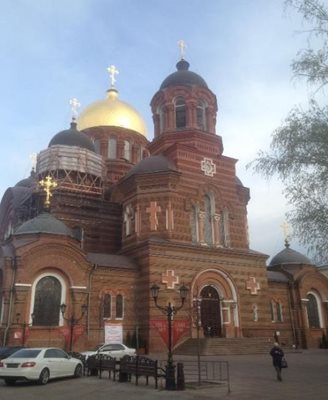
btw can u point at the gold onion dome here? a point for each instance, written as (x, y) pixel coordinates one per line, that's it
(112, 112)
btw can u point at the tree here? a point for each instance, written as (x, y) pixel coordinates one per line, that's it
(299, 148)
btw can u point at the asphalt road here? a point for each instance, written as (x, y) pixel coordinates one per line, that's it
(252, 377)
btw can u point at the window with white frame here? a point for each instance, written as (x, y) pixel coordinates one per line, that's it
(112, 148)
(119, 306)
(47, 297)
(276, 311)
(107, 306)
(127, 150)
(313, 311)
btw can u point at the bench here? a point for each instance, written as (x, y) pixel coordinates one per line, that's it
(99, 363)
(139, 366)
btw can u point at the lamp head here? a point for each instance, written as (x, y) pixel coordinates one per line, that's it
(154, 291)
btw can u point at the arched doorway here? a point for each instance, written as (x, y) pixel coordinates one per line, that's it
(210, 312)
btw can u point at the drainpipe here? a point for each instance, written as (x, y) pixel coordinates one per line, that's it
(13, 262)
(94, 267)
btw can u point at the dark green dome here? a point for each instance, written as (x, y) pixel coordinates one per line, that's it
(183, 77)
(289, 256)
(28, 182)
(44, 223)
(153, 164)
(73, 137)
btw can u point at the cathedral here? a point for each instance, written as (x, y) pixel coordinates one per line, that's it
(110, 226)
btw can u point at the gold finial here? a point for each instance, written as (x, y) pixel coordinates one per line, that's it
(75, 104)
(285, 228)
(182, 46)
(47, 184)
(33, 158)
(112, 72)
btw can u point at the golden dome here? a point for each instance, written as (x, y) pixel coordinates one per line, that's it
(111, 112)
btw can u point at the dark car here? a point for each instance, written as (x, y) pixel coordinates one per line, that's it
(8, 351)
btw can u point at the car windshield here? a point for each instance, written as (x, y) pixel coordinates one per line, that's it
(26, 353)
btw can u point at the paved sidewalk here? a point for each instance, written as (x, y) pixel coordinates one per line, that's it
(252, 377)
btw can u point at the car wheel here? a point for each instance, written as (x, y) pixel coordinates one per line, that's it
(10, 382)
(78, 371)
(44, 377)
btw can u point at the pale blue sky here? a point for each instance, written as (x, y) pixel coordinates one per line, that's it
(53, 50)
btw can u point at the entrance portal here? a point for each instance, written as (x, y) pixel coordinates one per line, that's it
(210, 312)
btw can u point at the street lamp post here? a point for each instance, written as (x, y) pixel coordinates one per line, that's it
(24, 325)
(72, 321)
(169, 311)
(197, 301)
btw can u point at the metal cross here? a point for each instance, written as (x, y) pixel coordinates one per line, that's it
(33, 158)
(75, 104)
(47, 184)
(285, 227)
(182, 46)
(112, 72)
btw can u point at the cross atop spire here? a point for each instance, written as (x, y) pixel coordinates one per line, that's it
(33, 158)
(112, 72)
(182, 46)
(285, 228)
(75, 104)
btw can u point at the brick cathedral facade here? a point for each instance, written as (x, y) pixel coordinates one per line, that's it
(127, 213)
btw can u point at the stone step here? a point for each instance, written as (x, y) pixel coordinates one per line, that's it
(224, 346)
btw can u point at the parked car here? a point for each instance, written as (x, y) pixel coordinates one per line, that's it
(39, 364)
(8, 351)
(117, 350)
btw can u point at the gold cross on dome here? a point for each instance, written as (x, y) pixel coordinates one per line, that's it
(285, 228)
(47, 184)
(112, 72)
(182, 46)
(75, 104)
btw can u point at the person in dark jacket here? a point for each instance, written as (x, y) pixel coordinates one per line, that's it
(277, 355)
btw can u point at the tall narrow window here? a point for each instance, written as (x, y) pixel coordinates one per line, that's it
(107, 306)
(47, 298)
(112, 145)
(224, 228)
(127, 150)
(313, 312)
(201, 115)
(208, 232)
(161, 115)
(97, 145)
(279, 311)
(194, 224)
(180, 113)
(119, 306)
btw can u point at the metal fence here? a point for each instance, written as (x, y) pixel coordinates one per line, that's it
(204, 372)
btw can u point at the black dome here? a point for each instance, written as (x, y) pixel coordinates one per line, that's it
(73, 137)
(289, 256)
(44, 223)
(183, 77)
(152, 164)
(27, 182)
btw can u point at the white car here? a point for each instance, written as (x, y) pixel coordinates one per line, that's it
(117, 350)
(39, 364)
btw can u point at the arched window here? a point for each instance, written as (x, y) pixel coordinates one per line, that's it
(180, 113)
(127, 150)
(208, 226)
(201, 115)
(276, 311)
(47, 299)
(313, 311)
(119, 306)
(224, 228)
(161, 115)
(112, 145)
(97, 145)
(194, 224)
(107, 306)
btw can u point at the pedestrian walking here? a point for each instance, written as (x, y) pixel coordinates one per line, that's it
(277, 355)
